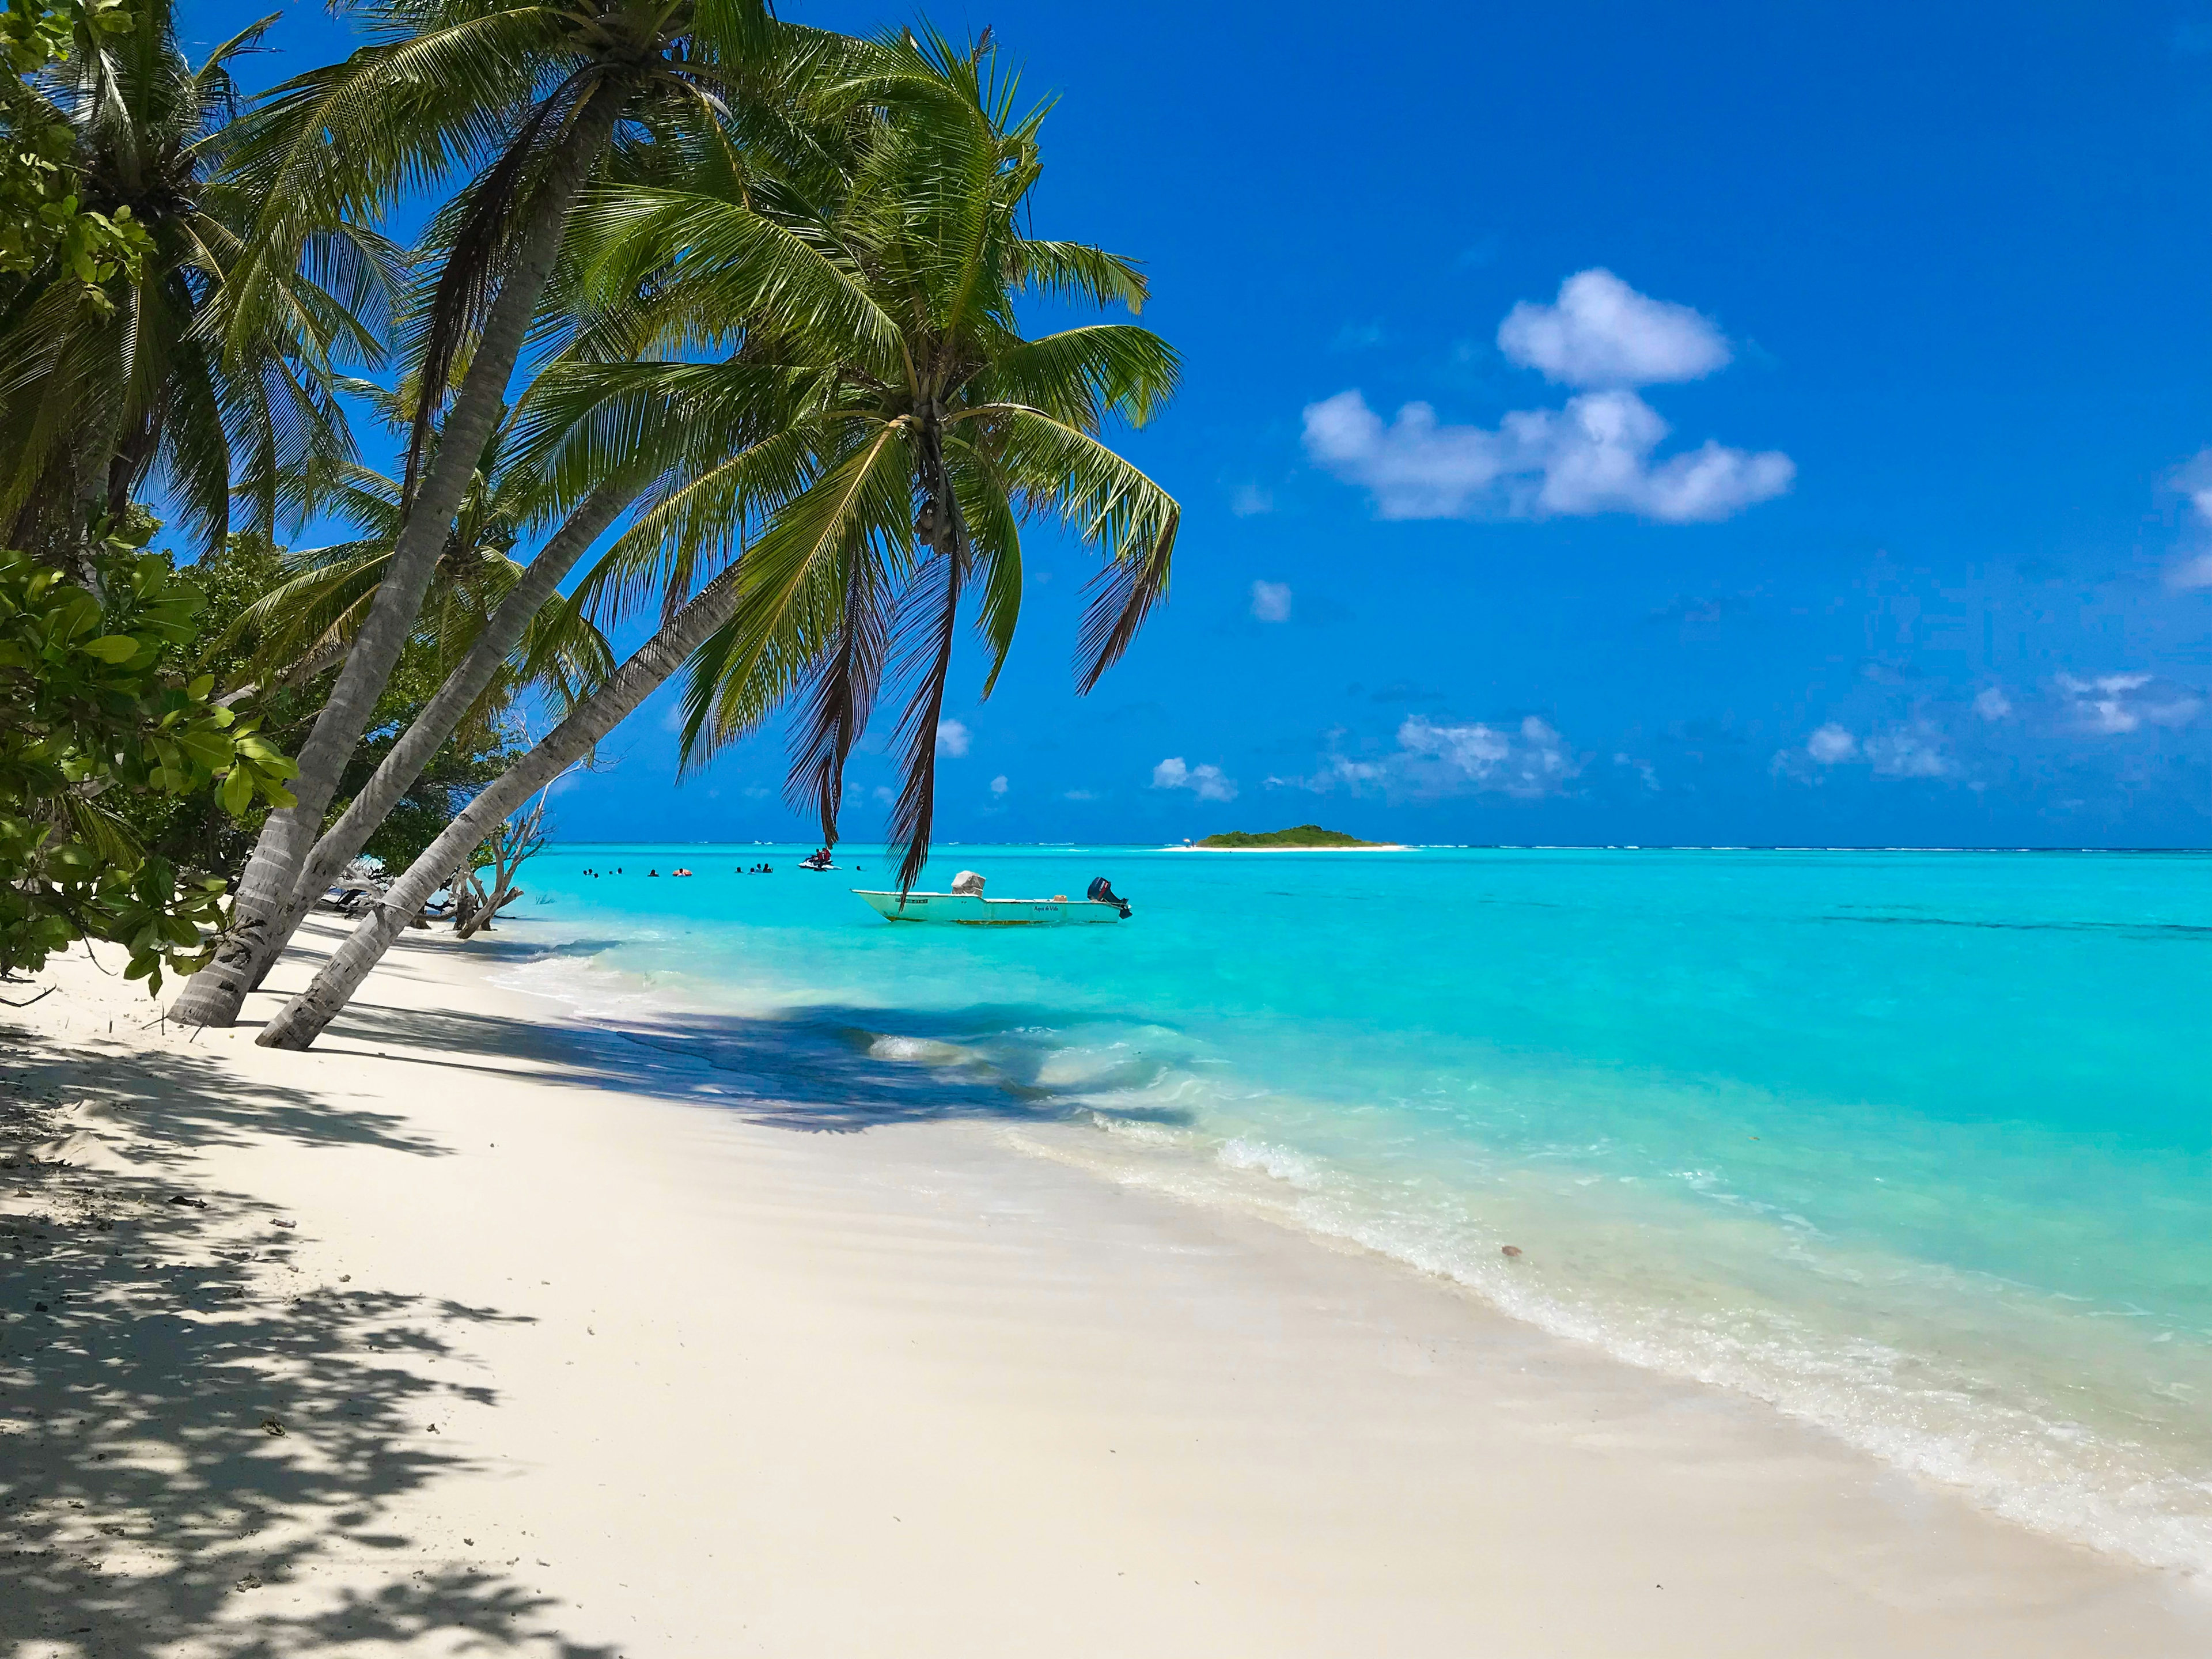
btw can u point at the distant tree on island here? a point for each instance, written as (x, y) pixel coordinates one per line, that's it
(1305, 835)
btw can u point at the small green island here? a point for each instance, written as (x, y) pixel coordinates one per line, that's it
(1305, 835)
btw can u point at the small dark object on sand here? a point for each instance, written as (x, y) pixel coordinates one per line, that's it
(1511, 1249)
(271, 1426)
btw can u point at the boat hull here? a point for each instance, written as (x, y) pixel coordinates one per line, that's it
(973, 910)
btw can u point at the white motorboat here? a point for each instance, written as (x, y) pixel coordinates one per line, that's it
(966, 906)
(974, 910)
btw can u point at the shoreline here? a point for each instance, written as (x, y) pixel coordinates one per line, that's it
(558, 1354)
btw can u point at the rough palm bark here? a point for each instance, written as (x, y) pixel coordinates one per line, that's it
(302, 1019)
(214, 995)
(342, 842)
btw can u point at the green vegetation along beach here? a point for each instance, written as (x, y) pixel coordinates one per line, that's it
(1304, 836)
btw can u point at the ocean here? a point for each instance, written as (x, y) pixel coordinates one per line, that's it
(1917, 1146)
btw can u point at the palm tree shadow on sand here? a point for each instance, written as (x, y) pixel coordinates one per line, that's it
(216, 1427)
(827, 1068)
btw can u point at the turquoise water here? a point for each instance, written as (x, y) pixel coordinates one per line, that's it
(1916, 1145)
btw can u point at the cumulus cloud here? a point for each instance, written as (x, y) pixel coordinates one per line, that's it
(999, 784)
(1206, 782)
(1643, 768)
(1530, 762)
(1527, 761)
(1270, 601)
(1991, 704)
(1832, 745)
(1901, 752)
(2194, 481)
(1912, 751)
(952, 738)
(1595, 455)
(1601, 332)
(2111, 705)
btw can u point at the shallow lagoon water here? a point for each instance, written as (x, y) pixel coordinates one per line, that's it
(1918, 1145)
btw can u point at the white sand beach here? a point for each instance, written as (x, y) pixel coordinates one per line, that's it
(456, 1335)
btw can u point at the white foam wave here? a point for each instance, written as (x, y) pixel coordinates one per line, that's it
(1279, 1162)
(2010, 1449)
(921, 1051)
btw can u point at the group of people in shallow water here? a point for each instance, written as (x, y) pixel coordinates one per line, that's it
(819, 861)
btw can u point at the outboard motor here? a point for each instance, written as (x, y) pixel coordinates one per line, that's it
(1102, 892)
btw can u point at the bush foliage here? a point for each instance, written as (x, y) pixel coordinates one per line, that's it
(92, 720)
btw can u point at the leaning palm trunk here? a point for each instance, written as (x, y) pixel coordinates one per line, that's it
(272, 875)
(342, 842)
(302, 1019)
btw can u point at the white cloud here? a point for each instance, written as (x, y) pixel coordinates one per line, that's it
(2194, 479)
(1832, 745)
(1270, 601)
(1595, 455)
(999, 784)
(1644, 768)
(884, 795)
(1912, 752)
(1079, 794)
(1991, 704)
(1251, 501)
(1527, 761)
(1598, 454)
(1901, 752)
(2111, 705)
(2192, 573)
(953, 738)
(1601, 332)
(1206, 782)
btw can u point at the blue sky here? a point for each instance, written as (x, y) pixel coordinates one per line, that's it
(1728, 424)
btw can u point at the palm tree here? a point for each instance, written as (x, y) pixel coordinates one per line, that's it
(100, 400)
(528, 98)
(915, 428)
(498, 628)
(531, 637)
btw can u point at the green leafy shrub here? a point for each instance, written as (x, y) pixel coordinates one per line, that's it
(43, 223)
(89, 720)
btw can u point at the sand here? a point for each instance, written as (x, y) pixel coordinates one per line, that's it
(473, 1335)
